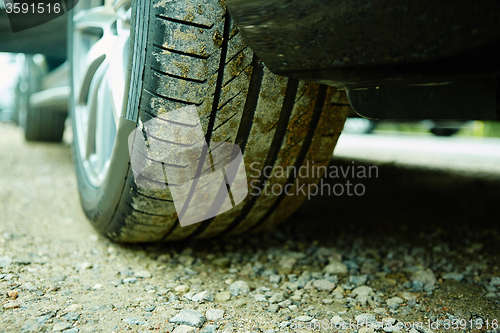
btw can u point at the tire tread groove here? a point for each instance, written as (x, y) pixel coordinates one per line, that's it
(216, 99)
(318, 108)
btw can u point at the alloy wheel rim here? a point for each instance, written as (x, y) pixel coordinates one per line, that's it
(101, 37)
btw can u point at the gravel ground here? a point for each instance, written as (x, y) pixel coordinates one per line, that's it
(421, 246)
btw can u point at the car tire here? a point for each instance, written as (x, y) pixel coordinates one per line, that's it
(17, 102)
(188, 53)
(43, 124)
(444, 131)
(38, 123)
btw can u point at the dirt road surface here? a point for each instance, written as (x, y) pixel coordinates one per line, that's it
(418, 252)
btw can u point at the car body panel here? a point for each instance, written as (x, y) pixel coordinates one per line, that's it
(360, 42)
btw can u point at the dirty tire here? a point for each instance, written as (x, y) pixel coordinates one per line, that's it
(194, 55)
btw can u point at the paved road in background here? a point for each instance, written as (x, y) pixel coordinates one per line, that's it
(421, 245)
(473, 155)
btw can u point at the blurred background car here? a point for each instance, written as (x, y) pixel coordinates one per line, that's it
(442, 127)
(11, 68)
(39, 97)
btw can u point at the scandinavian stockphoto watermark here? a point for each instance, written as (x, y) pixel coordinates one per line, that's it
(204, 179)
(350, 176)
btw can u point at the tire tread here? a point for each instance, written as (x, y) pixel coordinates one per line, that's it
(238, 99)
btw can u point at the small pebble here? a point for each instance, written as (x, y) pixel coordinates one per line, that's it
(131, 321)
(336, 268)
(276, 298)
(203, 296)
(11, 305)
(83, 266)
(142, 274)
(223, 296)
(73, 307)
(214, 315)
(188, 317)
(394, 302)
(273, 308)
(275, 278)
(58, 327)
(323, 285)
(130, 280)
(184, 329)
(182, 289)
(208, 329)
(221, 262)
(239, 288)
(365, 318)
(363, 290)
(12, 294)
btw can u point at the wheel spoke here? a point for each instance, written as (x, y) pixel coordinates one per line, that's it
(117, 63)
(98, 17)
(105, 129)
(92, 106)
(100, 60)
